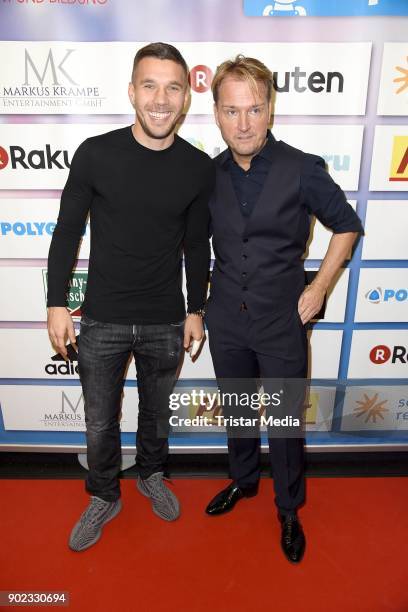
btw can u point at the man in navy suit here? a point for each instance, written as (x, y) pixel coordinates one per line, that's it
(266, 192)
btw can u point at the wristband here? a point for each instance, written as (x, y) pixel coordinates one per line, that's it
(200, 312)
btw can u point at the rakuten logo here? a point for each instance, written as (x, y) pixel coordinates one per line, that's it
(300, 81)
(200, 78)
(36, 159)
(381, 354)
(4, 158)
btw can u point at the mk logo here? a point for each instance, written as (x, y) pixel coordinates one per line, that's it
(50, 66)
(65, 400)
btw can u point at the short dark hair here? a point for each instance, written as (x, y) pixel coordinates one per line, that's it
(162, 51)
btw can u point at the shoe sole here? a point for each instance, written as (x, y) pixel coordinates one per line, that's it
(99, 533)
(169, 520)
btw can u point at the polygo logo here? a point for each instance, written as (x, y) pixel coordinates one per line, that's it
(377, 295)
(200, 78)
(399, 159)
(4, 158)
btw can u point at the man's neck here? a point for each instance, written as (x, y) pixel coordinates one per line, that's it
(156, 144)
(245, 160)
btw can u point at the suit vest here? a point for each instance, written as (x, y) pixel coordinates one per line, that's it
(259, 259)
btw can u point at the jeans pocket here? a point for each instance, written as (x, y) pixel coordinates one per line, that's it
(88, 322)
(179, 324)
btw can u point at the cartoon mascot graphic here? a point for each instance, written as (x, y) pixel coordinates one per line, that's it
(283, 7)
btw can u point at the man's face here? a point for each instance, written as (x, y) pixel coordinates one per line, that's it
(158, 94)
(242, 115)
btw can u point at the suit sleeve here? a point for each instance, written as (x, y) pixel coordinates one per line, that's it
(325, 199)
(75, 204)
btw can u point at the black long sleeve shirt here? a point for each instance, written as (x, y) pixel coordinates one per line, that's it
(146, 207)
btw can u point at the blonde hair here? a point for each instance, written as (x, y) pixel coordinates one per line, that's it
(243, 69)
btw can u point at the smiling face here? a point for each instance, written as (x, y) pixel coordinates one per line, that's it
(158, 93)
(242, 113)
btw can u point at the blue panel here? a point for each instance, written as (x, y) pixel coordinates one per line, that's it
(324, 8)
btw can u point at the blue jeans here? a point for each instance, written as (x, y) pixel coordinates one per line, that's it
(104, 350)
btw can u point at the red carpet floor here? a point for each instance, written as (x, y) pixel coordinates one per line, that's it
(356, 559)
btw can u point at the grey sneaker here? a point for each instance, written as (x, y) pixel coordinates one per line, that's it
(164, 503)
(88, 529)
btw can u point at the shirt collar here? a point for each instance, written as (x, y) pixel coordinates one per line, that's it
(266, 152)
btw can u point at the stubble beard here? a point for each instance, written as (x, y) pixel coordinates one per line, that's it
(246, 151)
(158, 136)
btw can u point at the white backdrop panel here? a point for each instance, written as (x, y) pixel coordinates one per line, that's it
(314, 78)
(340, 145)
(56, 408)
(390, 146)
(379, 353)
(26, 228)
(382, 295)
(27, 353)
(375, 409)
(393, 98)
(386, 230)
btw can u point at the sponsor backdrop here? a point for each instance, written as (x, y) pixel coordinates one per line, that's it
(341, 77)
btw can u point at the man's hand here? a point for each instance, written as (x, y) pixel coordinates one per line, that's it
(60, 329)
(193, 330)
(312, 297)
(310, 302)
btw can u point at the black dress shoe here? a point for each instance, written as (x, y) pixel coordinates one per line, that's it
(292, 539)
(226, 499)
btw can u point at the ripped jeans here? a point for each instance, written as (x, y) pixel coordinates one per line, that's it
(104, 350)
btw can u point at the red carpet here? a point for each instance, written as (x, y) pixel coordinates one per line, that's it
(356, 559)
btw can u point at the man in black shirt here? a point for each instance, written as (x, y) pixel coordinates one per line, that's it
(147, 193)
(266, 192)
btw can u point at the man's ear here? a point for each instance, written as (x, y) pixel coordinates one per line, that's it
(187, 99)
(270, 108)
(131, 94)
(216, 114)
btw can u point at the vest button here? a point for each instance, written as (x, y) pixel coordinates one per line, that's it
(244, 288)
(244, 256)
(244, 273)
(245, 240)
